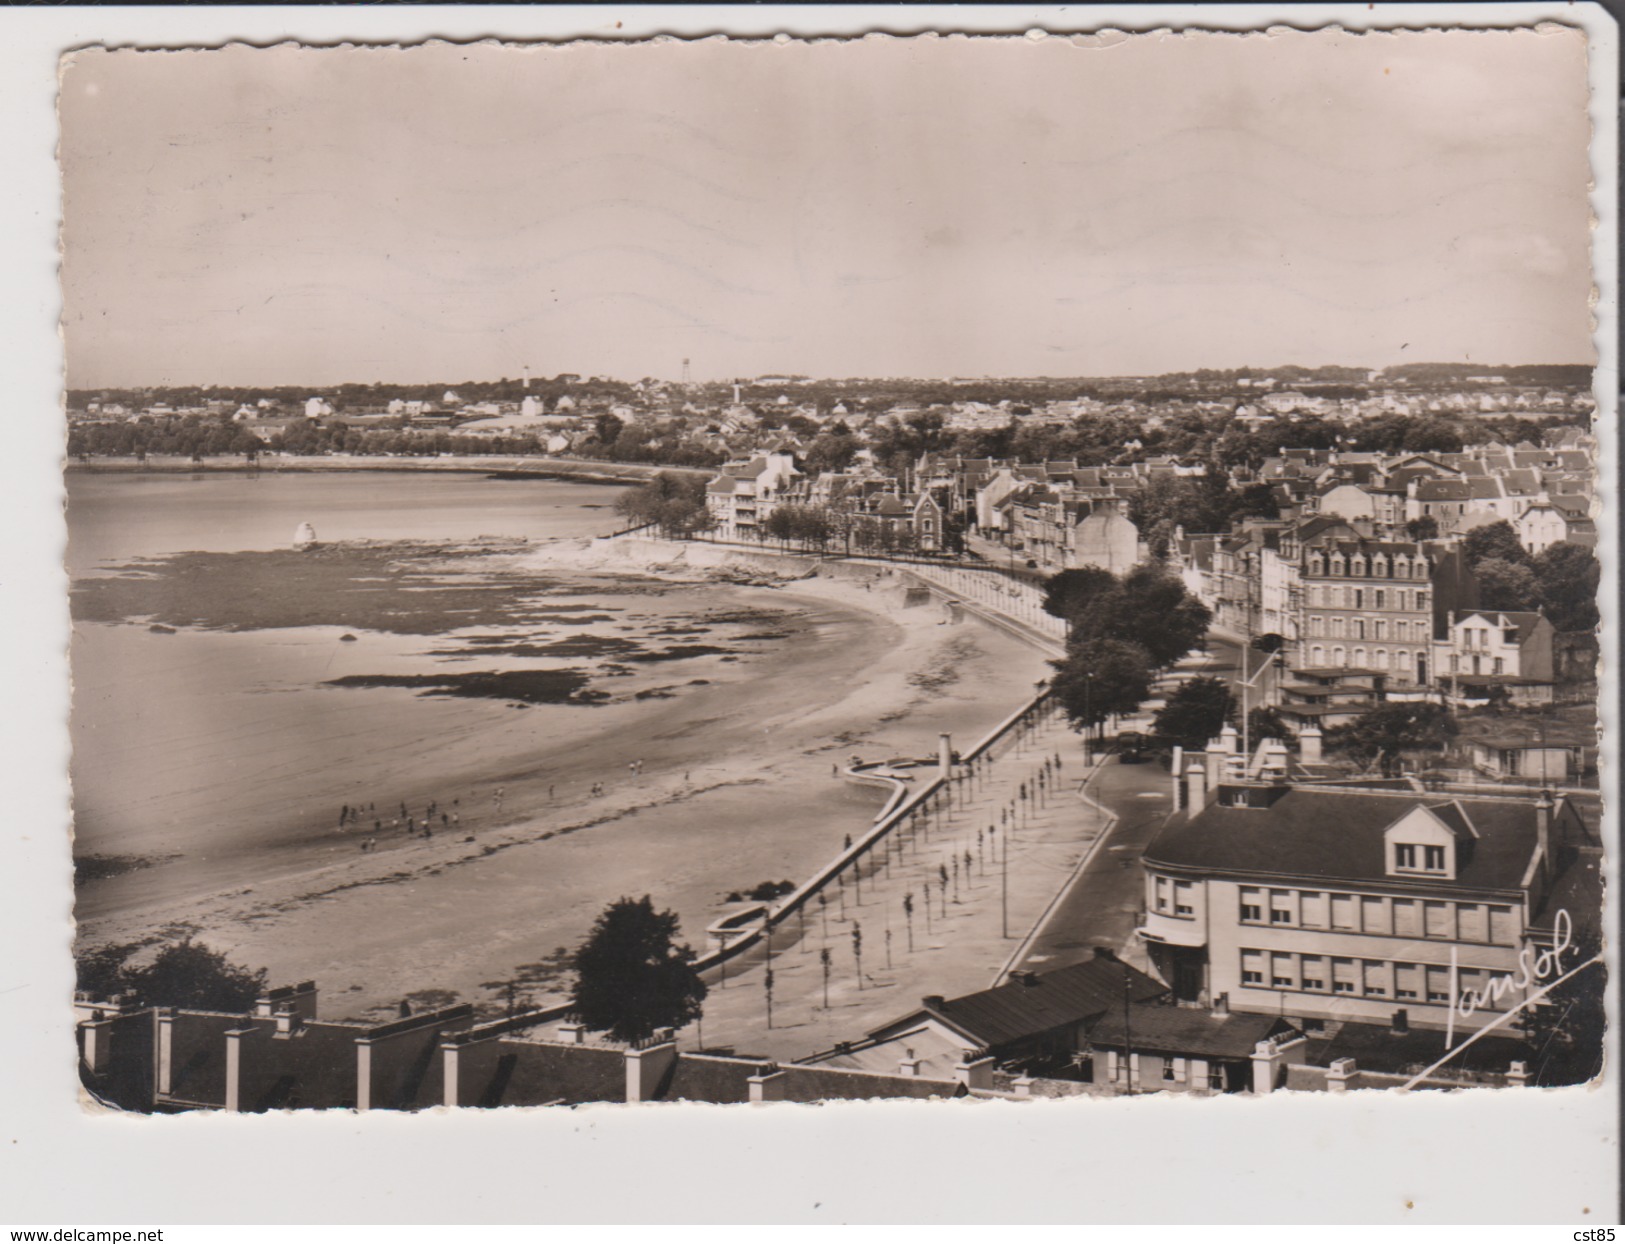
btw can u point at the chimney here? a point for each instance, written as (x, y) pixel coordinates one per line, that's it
(1176, 767)
(933, 1001)
(287, 1023)
(572, 1033)
(1229, 739)
(910, 1066)
(1213, 764)
(1195, 787)
(1518, 1075)
(767, 1084)
(166, 1047)
(975, 1074)
(1309, 745)
(1221, 1004)
(1269, 1065)
(647, 1067)
(945, 756)
(1340, 1073)
(1105, 952)
(451, 1073)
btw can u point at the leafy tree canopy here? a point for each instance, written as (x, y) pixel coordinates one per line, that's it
(1195, 713)
(1496, 540)
(1567, 576)
(632, 978)
(1100, 678)
(186, 974)
(1387, 731)
(1506, 585)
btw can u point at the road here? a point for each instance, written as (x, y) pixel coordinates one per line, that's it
(1102, 905)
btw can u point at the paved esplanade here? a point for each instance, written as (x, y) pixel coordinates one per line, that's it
(1013, 856)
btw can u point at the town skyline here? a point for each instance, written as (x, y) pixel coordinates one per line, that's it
(869, 212)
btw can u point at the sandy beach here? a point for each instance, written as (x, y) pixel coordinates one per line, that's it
(719, 781)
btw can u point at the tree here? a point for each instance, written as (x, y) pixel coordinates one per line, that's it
(1195, 713)
(1496, 540)
(1099, 678)
(1566, 576)
(1424, 528)
(1265, 722)
(1506, 585)
(632, 978)
(184, 974)
(1387, 731)
(1161, 616)
(1070, 592)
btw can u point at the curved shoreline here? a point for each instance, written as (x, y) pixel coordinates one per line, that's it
(362, 918)
(508, 466)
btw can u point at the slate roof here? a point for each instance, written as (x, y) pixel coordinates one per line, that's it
(1338, 835)
(1016, 1011)
(1185, 1030)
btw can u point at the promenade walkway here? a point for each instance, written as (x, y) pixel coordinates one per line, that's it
(1007, 837)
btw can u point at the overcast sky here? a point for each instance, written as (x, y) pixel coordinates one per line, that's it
(879, 208)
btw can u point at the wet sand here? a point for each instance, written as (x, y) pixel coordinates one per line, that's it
(734, 788)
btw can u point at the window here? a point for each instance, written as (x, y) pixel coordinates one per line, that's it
(1184, 898)
(1438, 983)
(1405, 855)
(1379, 629)
(1317, 655)
(1407, 919)
(1252, 906)
(1472, 923)
(1499, 665)
(1374, 915)
(1359, 598)
(1343, 913)
(1280, 907)
(1357, 569)
(1382, 601)
(1168, 1069)
(1283, 971)
(1252, 967)
(1433, 859)
(1315, 624)
(1313, 968)
(1312, 909)
(1161, 894)
(1359, 628)
(1407, 981)
(1503, 930)
(1344, 977)
(1510, 638)
(1436, 919)
(1376, 979)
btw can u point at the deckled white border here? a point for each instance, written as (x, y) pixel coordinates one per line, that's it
(1430, 1158)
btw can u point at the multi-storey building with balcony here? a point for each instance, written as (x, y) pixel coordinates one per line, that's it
(1351, 904)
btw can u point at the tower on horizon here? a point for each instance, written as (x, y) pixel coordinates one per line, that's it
(686, 379)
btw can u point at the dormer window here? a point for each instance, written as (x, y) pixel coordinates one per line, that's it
(1357, 568)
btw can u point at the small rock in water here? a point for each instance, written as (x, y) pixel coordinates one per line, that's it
(346, 639)
(158, 628)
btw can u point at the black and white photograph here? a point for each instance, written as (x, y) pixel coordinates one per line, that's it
(620, 574)
(1064, 570)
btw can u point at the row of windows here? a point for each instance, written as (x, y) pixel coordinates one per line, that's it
(1360, 978)
(1459, 665)
(1489, 923)
(1378, 567)
(1379, 659)
(1177, 899)
(1370, 628)
(1405, 601)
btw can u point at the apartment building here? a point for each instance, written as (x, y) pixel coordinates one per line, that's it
(1353, 904)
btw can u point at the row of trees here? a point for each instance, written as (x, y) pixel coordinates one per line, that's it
(675, 503)
(1120, 632)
